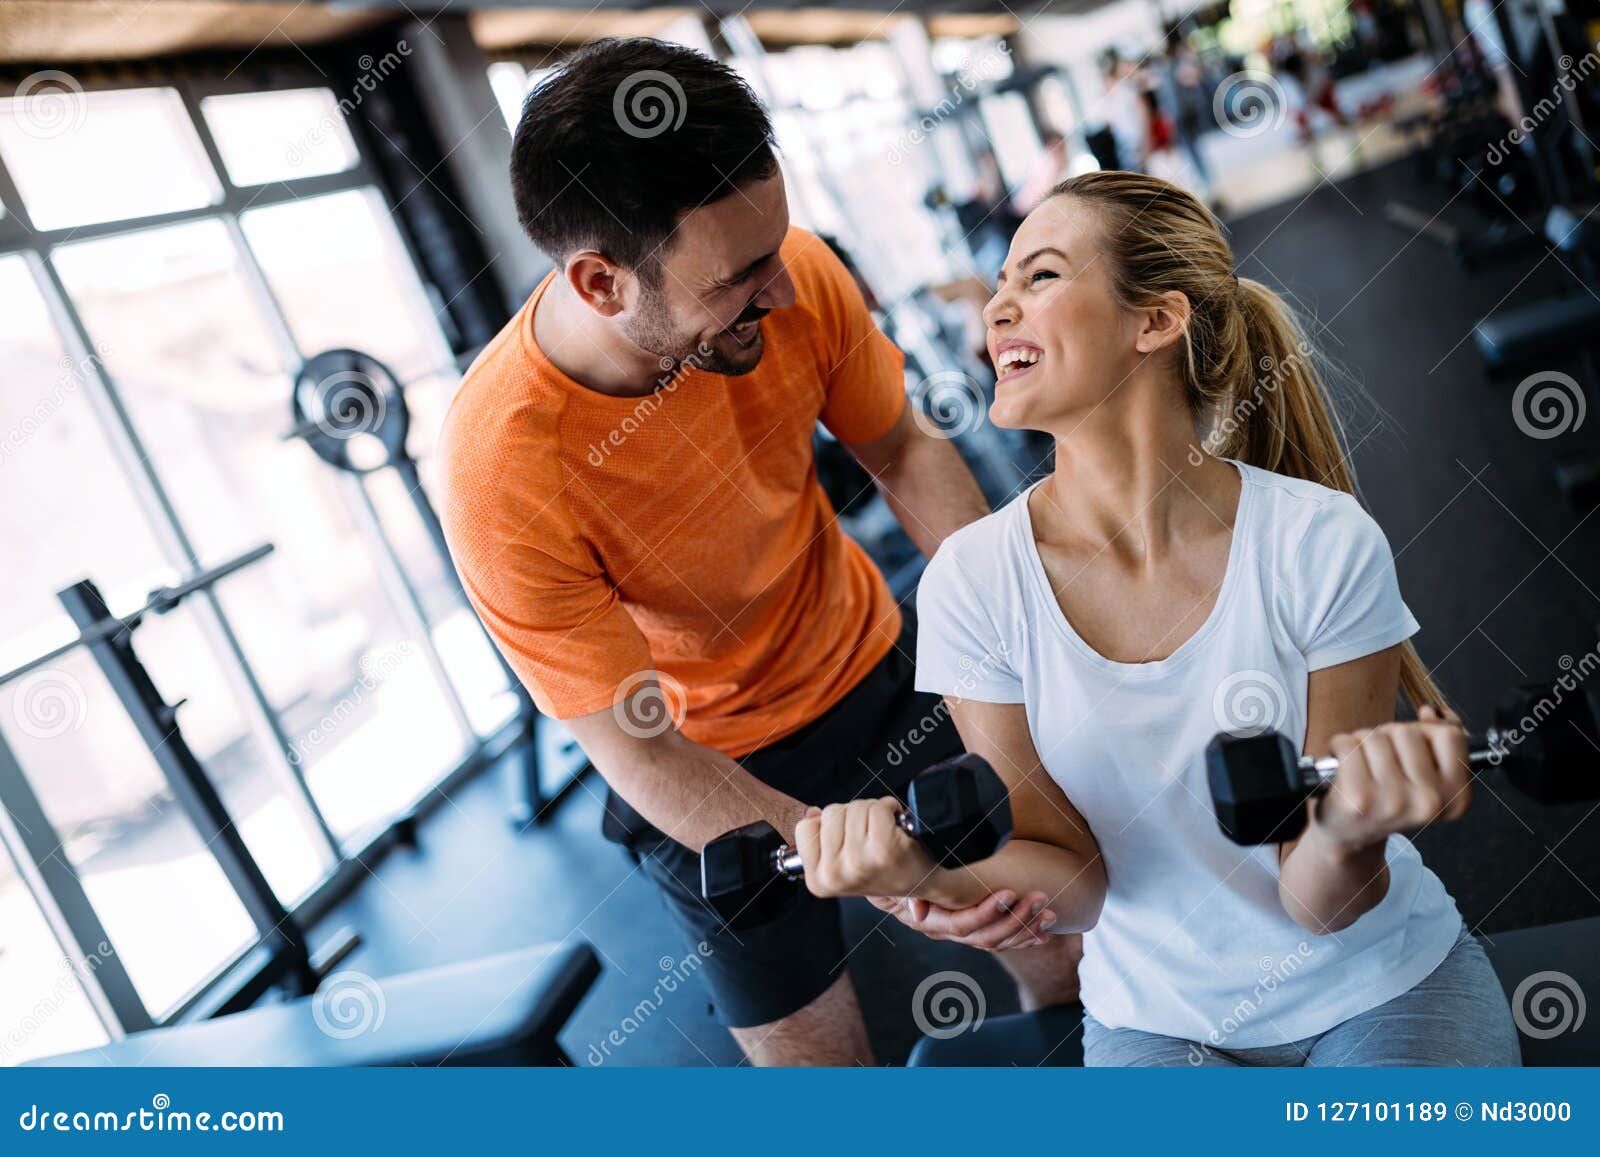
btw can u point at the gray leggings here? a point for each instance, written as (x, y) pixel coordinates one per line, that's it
(1456, 1015)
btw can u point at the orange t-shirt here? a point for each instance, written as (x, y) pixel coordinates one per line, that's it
(600, 538)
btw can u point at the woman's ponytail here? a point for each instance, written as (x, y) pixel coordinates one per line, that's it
(1279, 418)
(1249, 375)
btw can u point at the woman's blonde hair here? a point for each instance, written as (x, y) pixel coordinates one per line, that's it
(1248, 373)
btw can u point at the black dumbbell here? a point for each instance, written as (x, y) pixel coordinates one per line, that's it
(958, 810)
(1545, 739)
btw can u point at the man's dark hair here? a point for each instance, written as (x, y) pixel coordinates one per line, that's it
(626, 137)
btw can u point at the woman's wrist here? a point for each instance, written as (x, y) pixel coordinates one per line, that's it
(950, 888)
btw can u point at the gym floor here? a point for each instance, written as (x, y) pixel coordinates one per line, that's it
(1493, 562)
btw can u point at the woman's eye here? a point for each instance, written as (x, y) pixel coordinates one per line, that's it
(1035, 276)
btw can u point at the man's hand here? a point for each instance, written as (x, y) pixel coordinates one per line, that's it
(997, 924)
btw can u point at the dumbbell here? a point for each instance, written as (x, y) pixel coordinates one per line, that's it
(958, 810)
(1545, 739)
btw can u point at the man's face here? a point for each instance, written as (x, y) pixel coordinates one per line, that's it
(721, 275)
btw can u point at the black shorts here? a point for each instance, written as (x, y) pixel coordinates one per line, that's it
(868, 745)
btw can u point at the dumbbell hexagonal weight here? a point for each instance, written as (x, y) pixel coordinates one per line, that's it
(958, 810)
(1544, 739)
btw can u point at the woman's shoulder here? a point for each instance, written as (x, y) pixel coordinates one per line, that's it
(1293, 510)
(990, 543)
(984, 556)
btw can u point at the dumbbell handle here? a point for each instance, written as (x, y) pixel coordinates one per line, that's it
(1490, 747)
(786, 860)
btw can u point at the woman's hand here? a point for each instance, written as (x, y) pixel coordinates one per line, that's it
(858, 849)
(1393, 778)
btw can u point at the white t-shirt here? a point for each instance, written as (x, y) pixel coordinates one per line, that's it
(1193, 941)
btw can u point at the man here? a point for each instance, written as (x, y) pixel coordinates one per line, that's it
(631, 499)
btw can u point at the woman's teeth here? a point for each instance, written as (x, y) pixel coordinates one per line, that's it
(1016, 358)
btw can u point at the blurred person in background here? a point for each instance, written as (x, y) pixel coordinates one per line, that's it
(1187, 97)
(1049, 169)
(1307, 85)
(1123, 108)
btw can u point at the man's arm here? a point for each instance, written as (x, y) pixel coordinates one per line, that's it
(924, 481)
(692, 793)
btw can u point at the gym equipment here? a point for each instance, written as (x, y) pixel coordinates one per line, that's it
(1532, 964)
(158, 602)
(958, 810)
(287, 958)
(499, 1010)
(1543, 739)
(351, 410)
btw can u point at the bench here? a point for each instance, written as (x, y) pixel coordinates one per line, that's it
(497, 1010)
(1051, 1037)
(1525, 333)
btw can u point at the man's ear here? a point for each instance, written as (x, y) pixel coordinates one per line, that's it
(596, 281)
(1164, 323)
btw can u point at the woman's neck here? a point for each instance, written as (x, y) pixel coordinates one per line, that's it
(1134, 480)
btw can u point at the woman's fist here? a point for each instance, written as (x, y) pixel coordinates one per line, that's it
(859, 849)
(1394, 778)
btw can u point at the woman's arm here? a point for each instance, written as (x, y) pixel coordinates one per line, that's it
(856, 849)
(1392, 777)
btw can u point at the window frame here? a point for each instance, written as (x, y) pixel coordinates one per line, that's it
(33, 841)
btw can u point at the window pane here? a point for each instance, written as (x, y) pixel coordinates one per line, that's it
(63, 494)
(43, 1009)
(510, 82)
(179, 336)
(464, 649)
(278, 136)
(103, 156)
(343, 279)
(161, 895)
(208, 391)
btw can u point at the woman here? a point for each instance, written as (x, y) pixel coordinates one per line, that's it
(1195, 564)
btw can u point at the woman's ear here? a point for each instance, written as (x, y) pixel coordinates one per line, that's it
(1164, 323)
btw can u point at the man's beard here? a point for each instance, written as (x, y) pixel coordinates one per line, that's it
(652, 330)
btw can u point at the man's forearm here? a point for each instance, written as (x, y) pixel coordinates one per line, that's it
(930, 490)
(693, 793)
(1074, 886)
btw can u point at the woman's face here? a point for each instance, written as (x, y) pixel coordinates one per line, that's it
(1059, 341)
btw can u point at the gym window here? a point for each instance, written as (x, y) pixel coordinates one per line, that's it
(169, 255)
